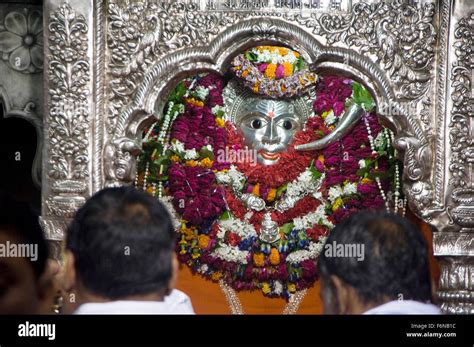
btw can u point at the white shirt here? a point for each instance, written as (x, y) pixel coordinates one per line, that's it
(404, 307)
(175, 303)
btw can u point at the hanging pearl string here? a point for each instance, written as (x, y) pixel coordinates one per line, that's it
(388, 134)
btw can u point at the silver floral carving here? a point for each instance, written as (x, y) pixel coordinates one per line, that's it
(21, 40)
(139, 33)
(68, 74)
(400, 36)
(461, 138)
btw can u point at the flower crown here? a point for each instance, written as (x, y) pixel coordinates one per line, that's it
(275, 72)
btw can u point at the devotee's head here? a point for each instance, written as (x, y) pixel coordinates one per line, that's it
(394, 265)
(120, 245)
(23, 259)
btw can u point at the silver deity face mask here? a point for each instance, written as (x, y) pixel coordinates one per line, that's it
(268, 127)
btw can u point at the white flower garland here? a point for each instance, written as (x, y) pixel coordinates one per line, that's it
(313, 251)
(232, 254)
(233, 178)
(303, 185)
(237, 226)
(309, 220)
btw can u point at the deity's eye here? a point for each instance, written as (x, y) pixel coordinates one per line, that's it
(256, 124)
(287, 125)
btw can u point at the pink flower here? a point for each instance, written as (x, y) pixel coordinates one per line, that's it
(263, 67)
(280, 72)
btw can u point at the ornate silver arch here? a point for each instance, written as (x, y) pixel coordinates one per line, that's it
(130, 55)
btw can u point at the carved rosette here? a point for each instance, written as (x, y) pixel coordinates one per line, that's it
(68, 121)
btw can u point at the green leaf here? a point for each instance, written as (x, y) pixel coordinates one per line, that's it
(280, 190)
(362, 97)
(315, 172)
(300, 64)
(226, 215)
(206, 153)
(287, 228)
(250, 56)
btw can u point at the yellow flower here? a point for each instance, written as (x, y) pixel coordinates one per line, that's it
(195, 102)
(174, 158)
(195, 255)
(301, 80)
(266, 288)
(366, 180)
(149, 189)
(288, 68)
(206, 162)
(282, 51)
(256, 87)
(256, 190)
(191, 163)
(297, 55)
(216, 276)
(321, 158)
(291, 288)
(325, 114)
(259, 259)
(270, 71)
(220, 122)
(203, 241)
(274, 257)
(271, 194)
(338, 203)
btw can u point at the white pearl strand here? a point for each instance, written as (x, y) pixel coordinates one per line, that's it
(390, 138)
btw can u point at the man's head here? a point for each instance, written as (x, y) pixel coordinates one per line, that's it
(23, 258)
(120, 245)
(394, 266)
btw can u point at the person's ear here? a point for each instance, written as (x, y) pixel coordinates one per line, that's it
(69, 275)
(174, 273)
(341, 295)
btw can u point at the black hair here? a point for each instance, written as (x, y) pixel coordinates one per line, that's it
(122, 240)
(18, 219)
(395, 258)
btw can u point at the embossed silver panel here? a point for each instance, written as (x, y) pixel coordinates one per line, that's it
(120, 59)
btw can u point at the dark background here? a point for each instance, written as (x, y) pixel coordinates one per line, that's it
(18, 135)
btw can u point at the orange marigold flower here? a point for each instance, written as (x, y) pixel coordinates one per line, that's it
(270, 71)
(274, 257)
(195, 102)
(203, 241)
(259, 259)
(191, 163)
(206, 162)
(256, 87)
(174, 158)
(256, 190)
(271, 194)
(216, 276)
(282, 51)
(321, 158)
(220, 122)
(245, 73)
(366, 180)
(288, 68)
(297, 55)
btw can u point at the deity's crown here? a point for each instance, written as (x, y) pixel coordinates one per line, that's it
(240, 100)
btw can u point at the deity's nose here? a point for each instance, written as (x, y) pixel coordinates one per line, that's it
(271, 135)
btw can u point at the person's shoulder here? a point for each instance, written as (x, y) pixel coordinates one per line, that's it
(180, 302)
